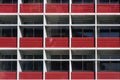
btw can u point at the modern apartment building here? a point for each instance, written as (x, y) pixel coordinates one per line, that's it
(59, 39)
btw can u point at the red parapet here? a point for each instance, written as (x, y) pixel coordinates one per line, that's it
(8, 75)
(82, 8)
(31, 42)
(30, 75)
(56, 75)
(82, 75)
(82, 41)
(108, 42)
(108, 75)
(31, 8)
(57, 42)
(108, 8)
(8, 42)
(57, 8)
(8, 8)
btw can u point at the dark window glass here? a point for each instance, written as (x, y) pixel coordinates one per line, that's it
(38, 32)
(38, 66)
(88, 1)
(115, 33)
(83, 65)
(65, 65)
(65, 56)
(114, 1)
(76, 1)
(110, 66)
(104, 32)
(88, 33)
(4, 56)
(28, 32)
(65, 1)
(110, 56)
(14, 32)
(77, 32)
(6, 32)
(38, 56)
(32, 1)
(77, 56)
(59, 56)
(104, 1)
(57, 67)
(104, 56)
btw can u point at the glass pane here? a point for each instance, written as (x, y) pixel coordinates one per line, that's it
(65, 65)
(65, 56)
(104, 33)
(88, 66)
(55, 56)
(88, 33)
(76, 66)
(114, 1)
(38, 56)
(38, 66)
(77, 32)
(38, 32)
(6, 32)
(77, 56)
(76, 1)
(104, 1)
(14, 32)
(115, 33)
(28, 32)
(88, 1)
(57, 67)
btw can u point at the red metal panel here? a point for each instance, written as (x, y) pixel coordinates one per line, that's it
(82, 42)
(8, 42)
(108, 8)
(82, 75)
(8, 8)
(56, 75)
(57, 8)
(8, 75)
(31, 42)
(31, 8)
(30, 75)
(57, 42)
(108, 75)
(82, 8)
(108, 42)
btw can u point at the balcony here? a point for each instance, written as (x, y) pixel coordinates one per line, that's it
(108, 8)
(108, 42)
(82, 8)
(31, 42)
(82, 42)
(8, 8)
(56, 75)
(82, 75)
(31, 8)
(8, 42)
(57, 8)
(57, 42)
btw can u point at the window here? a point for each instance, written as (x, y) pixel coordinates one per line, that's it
(60, 66)
(8, 32)
(109, 32)
(110, 66)
(8, 66)
(83, 56)
(82, 1)
(112, 56)
(32, 1)
(104, 1)
(109, 1)
(32, 66)
(9, 1)
(83, 32)
(32, 56)
(58, 32)
(32, 32)
(6, 56)
(83, 66)
(59, 1)
(59, 56)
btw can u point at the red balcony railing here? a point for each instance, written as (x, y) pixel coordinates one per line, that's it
(108, 8)
(108, 42)
(82, 8)
(8, 42)
(57, 8)
(30, 75)
(82, 75)
(82, 42)
(56, 75)
(108, 75)
(31, 42)
(8, 8)
(57, 42)
(7, 75)
(31, 8)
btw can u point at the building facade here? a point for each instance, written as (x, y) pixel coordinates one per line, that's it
(60, 39)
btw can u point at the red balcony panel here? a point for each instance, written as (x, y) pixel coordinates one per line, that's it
(8, 8)
(82, 75)
(31, 8)
(56, 75)
(8, 42)
(7, 75)
(57, 41)
(30, 75)
(82, 42)
(110, 8)
(57, 8)
(108, 42)
(82, 8)
(108, 75)
(31, 42)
